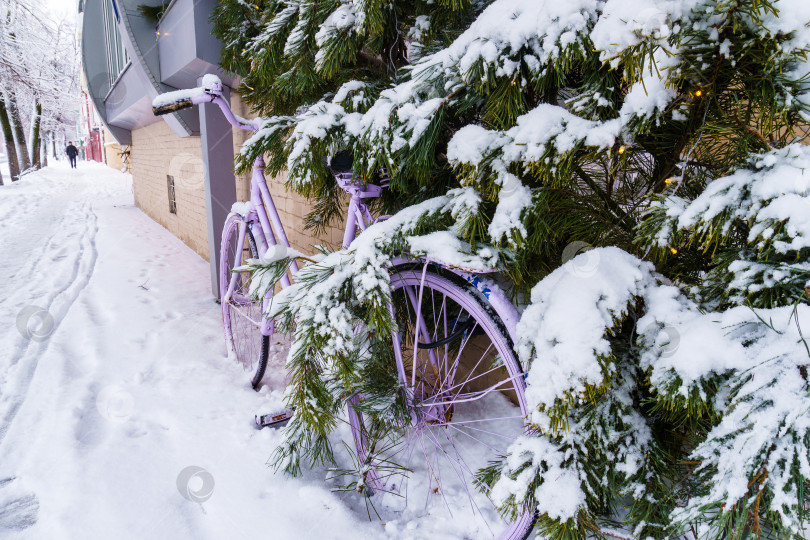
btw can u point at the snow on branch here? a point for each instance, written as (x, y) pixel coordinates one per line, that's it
(624, 24)
(771, 196)
(513, 28)
(565, 338)
(757, 457)
(321, 124)
(543, 132)
(595, 289)
(543, 135)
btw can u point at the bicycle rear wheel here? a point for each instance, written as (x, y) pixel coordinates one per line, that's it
(241, 316)
(467, 405)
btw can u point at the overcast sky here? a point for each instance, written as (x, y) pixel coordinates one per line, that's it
(62, 9)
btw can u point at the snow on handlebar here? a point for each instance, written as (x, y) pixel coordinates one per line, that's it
(210, 91)
(183, 99)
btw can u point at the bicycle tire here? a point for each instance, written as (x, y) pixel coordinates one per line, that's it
(465, 298)
(240, 333)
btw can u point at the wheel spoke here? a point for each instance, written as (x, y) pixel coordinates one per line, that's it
(475, 439)
(457, 422)
(465, 398)
(459, 471)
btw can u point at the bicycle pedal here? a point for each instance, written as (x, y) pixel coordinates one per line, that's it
(275, 419)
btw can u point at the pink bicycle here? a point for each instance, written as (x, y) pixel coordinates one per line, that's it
(453, 351)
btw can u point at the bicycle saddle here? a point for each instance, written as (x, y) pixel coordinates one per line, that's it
(341, 162)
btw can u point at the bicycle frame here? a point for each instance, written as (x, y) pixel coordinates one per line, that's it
(263, 210)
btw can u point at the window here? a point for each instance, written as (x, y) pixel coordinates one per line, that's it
(117, 58)
(172, 201)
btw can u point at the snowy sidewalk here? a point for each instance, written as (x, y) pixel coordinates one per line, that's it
(102, 414)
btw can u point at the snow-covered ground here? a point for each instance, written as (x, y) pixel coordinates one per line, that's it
(114, 382)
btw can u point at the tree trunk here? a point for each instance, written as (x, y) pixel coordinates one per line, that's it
(11, 149)
(19, 133)
(53, 145)
(36, 143)
(44, 153)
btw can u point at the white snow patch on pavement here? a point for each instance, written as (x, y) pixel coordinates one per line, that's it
(122, 383)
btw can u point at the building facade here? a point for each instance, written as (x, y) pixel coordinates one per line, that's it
(181, 163)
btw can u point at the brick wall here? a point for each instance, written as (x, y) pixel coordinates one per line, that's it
(157, 152)
(112, 151)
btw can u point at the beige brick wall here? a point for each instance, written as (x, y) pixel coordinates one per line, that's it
(157, 152)
(112, 151)
(291, 207)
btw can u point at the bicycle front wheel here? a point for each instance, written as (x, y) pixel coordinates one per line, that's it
(467, 404)
(241, 316)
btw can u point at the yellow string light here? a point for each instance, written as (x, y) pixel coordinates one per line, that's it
(668, 181)
(698, 93)
(621, 149)
(673, 250)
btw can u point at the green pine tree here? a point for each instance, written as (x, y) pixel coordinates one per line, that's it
(668, 137)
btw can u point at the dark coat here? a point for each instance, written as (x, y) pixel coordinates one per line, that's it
(71, 151)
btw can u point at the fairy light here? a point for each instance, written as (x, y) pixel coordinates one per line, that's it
(699, 93)
(621, 149)
(668, 181)
(673, 250)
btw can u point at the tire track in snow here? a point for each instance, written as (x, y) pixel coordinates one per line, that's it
(30, 202)
(18, 508)
(57, 301)
(26, 226)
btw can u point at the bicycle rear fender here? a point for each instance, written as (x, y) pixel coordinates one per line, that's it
(499, 302)
(497, 299)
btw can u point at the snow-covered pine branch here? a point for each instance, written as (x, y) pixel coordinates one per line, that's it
(763, 207)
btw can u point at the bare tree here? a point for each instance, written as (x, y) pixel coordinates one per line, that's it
(39, 74)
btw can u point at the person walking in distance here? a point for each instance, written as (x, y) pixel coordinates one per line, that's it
(71, 152)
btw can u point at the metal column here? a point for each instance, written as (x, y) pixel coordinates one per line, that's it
(220, 184)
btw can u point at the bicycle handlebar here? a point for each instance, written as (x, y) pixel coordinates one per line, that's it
(209, 92)
(175, 106)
